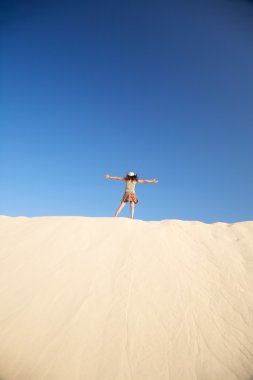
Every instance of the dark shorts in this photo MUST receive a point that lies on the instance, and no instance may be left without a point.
(129, 197)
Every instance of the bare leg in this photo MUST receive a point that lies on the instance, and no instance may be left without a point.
(120, 208)
(132, 209)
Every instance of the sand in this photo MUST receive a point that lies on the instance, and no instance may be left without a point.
(121, 299)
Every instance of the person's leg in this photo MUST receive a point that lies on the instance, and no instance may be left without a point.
(132, 209)
(120, 208)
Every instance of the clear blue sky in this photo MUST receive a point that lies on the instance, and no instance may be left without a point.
(161, 88)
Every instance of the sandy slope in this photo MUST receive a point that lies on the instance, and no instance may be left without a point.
(120, 299)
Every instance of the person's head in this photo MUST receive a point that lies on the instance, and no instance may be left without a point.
(131, 176)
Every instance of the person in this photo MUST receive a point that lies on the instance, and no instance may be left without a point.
(131, 179)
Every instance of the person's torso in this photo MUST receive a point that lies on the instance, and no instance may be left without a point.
(130, 186)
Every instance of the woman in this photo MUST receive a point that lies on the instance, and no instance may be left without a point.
(129, 196)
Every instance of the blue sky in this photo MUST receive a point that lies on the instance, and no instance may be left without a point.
(164, 89)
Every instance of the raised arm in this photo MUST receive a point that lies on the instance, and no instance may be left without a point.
(147, 181)
(107, 176)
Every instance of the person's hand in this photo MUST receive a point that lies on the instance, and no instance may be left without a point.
(155, 180)
(107, 176)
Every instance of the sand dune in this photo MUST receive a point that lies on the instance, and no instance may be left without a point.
(120, 299)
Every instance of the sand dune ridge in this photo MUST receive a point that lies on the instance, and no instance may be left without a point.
(120, 299)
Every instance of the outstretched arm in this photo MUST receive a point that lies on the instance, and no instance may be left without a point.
(107, 176)
(147, 181)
